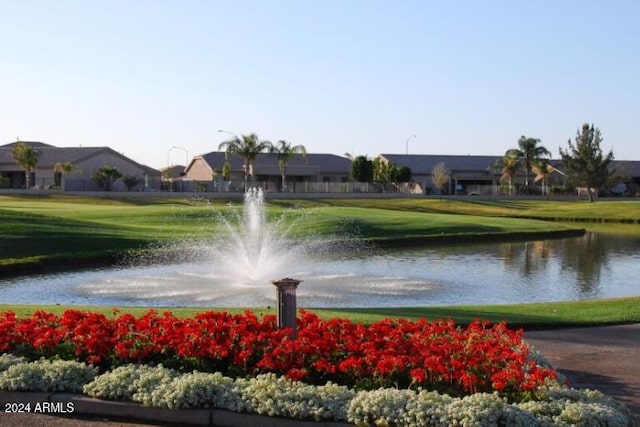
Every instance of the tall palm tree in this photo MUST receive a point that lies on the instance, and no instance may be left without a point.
(285, 152)
(542, 168)
(508, 166)
(247, 147)
(530, 152)
(27, 158)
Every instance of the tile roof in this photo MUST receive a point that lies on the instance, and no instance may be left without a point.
(627, 167)
(50, 155)
(424, 163)
(268, 163)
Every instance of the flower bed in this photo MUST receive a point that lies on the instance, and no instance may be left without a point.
(435, 355)
(267, 394)
(393, 371)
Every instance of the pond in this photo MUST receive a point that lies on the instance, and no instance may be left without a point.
(593, 266)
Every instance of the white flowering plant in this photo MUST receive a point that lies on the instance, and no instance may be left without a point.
(554, 404)
(47, 375)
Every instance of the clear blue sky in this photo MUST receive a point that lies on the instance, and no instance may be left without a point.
(357, 76)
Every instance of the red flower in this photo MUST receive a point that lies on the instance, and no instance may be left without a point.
(435, 355)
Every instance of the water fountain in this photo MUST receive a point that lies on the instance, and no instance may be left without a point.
(235, 269)
(253, 250)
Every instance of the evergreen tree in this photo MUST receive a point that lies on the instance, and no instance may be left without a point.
(584, 162)
(362, 169)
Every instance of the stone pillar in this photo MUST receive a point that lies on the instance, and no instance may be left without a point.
(287, 311)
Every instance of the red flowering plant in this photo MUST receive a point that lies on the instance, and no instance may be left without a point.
(438, 355)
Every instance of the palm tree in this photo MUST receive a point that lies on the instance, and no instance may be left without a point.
(106, 176)
(530, 152)
(542, 169)
(63, 169)
(285, 152)
(248, 147)
(508, 166)
(27, 158)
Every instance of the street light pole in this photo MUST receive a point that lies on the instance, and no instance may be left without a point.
(229, 132)
(186, 154)
(406, 144)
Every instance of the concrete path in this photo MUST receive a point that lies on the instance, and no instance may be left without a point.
(604, 358)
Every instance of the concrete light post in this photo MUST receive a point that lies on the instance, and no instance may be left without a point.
(287, 311)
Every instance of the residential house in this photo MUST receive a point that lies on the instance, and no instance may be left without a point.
(313, 172)
(86, 161)
(479, 175)
(468, 174)
(629, 173)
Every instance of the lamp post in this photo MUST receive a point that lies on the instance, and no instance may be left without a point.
(186, 153)
(406, 144)
(229, 132)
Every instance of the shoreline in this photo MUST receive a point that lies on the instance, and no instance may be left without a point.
(112, 259)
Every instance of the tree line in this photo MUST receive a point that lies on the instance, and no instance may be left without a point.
(583, 161)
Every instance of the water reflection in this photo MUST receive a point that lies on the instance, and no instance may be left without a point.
(528, 258)
(582, 260)
(586, 257)
(592, 266)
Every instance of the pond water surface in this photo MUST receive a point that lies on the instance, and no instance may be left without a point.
(593, 266)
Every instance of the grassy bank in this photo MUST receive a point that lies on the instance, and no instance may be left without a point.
(609, 211)
(529, 316)
(41, 232)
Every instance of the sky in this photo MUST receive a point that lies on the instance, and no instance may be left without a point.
(156, 79)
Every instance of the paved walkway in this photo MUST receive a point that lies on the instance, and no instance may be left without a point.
(603, 358)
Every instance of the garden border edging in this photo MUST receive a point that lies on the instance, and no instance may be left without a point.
(84, 405)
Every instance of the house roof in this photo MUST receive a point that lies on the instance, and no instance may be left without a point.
(35, 144)
(627, 167)
(50, 155)
(174, 171)
(267, 164)
(424, 163)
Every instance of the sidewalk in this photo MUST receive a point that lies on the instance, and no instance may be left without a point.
(603, 358)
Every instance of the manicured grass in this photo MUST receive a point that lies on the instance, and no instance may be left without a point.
(377, 223)
(71, 228)
(576, 210)
(529, 316)
(60, 229)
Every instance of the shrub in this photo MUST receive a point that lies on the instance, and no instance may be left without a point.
(46, 375)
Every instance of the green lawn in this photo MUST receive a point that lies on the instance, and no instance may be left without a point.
(528, 316)
(59, 229)
(576, 210)
(56, 229)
